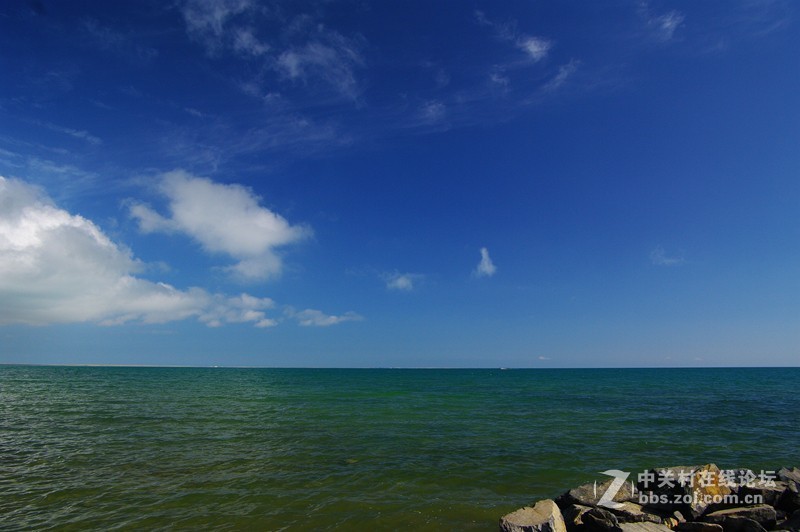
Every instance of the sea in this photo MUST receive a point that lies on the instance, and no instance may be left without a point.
(107, 448)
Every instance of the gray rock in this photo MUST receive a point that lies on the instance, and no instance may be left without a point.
(630, 512)
(741, 524)
(790, 500)
(792, 474)
(544, 516)
(643, 527)
(589, 494)
(573, 516)
(690, 498)
(600, 520)
(769, 494)
(763, 514)
(698, 526)
(793, 523)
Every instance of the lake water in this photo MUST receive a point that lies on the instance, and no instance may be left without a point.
(271, 449)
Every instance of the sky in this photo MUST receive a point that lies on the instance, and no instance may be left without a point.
(400, 184)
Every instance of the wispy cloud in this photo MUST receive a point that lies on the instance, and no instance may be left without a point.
(662, 26)
(328, 57)
(207, 20)
(315, 55)
(486, 267)
(74, 133)
(564, 73)
(223, 218)
(317, 318)
(120, 43)
(659, 257)
(535, 47)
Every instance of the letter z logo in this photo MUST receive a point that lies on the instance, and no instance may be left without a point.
(607, 499)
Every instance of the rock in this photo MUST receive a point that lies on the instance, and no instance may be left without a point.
(630, 512)
(792, 474)
(589, 494)
(790, 500)
(573, 516)
(767, 494)
(600, 520)
(741, 524)
(544, 516)
(763, 514)
(643, 527)
(793, 523)
(688, 489)
(698, 526)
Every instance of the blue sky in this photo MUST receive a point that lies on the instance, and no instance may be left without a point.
(521, 184)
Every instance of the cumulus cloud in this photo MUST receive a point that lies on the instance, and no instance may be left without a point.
(659, 257)
(403, 282)
(58, 267)
(486, 267)
(222, 218)
(316, 318)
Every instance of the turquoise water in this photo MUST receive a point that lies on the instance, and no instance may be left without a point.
(163, 448)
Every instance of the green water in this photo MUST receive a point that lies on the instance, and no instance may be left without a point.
(271, 449)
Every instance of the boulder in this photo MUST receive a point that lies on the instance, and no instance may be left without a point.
(741, 524)
(544, 516)
(701, 487)
(590, 494)
(790, 500)
(643, 527)
(763, 514)
(792, 474)
(793, 523)
(697, 526)
(630, 512)
(768, 494)
(600, 520)
(573, 516)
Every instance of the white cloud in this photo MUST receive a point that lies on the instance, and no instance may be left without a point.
(329, 57)
(75, 133)
(57, 267)
(544, 358)
(403, 282)
(316, 318)
(667, 24)
(433, 112)
(486, 267)
(246, 42)
(564, 73)
(659, 257)
(206, 19)
(536, 47)
(223, 219)
(662, 27)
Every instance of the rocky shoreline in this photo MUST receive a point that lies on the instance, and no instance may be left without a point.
(681, 499)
